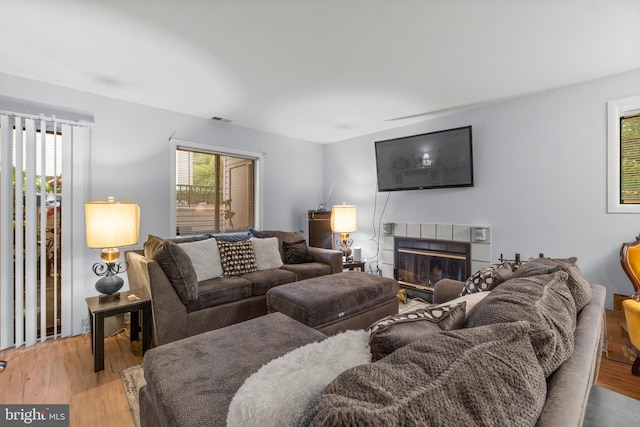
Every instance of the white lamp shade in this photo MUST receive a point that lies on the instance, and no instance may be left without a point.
(343, 218)
(112, 224)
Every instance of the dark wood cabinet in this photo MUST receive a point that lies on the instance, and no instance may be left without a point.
(320, 234)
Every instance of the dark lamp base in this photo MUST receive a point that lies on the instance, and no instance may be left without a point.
(109, 284)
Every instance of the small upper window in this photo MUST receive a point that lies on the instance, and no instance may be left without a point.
(623, 146)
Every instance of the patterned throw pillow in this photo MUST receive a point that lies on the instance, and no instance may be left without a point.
(488, 278)
(237, 257)
(389, 334)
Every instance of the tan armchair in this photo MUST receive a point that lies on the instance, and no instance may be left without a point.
(632, 316)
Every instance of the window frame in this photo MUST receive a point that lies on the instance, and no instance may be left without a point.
(257, 158)
(615, 110)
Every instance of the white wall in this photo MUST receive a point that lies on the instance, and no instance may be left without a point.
(540, 180)
(129, 159)
(540, 172)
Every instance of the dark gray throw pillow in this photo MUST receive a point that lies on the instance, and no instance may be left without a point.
(296, 252)
(176, 264)
(393, 332)
(580, 288)
(546, 303)
(481, 376)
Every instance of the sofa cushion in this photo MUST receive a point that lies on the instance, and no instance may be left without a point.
(237, 257)
(481, 376)
(205, 257)
(487, 278)
(282, 236)
(578, 285)
(393, 332)
(263, 280)
(308, 270)
(220, 290)
(266, 253)
(176, 264)
(296, 252)
(546, 303)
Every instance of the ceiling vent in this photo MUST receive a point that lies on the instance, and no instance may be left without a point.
(220, 119)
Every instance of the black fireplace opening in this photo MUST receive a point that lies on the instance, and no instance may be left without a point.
(420, 263)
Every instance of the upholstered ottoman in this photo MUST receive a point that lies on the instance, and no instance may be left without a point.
(191, 382)
(337, 302)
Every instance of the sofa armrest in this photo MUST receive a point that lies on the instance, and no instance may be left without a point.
(446, 290)
(169, 313)
(569, 386)
(327, 256)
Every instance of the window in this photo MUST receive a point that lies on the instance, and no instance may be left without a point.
(623, 147)
(215, 191)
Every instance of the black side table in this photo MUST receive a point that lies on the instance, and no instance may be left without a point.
(98, 311)
(352, 265)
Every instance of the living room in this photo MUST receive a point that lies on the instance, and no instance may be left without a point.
(540, 164)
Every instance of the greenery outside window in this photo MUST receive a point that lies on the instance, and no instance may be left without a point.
(623, 147)
(215, 189)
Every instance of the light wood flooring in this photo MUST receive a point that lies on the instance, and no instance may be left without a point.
(61, 371)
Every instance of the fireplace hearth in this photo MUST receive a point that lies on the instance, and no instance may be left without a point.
(420, 263)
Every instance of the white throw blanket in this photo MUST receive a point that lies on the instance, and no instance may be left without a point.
(284, 392)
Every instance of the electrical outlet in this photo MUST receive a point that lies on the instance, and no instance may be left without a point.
(127, 318)
(85, 326)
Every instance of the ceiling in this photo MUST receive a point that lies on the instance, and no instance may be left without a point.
(324, 70)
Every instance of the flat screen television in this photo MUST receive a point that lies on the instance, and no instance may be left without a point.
(429, 160)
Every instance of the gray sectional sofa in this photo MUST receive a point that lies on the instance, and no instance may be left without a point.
(169, 270)
(526, 352)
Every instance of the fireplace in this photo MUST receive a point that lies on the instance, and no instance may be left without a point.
(420, 263)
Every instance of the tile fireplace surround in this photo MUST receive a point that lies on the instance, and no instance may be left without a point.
(480, 244)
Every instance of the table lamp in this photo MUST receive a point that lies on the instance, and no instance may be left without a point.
(109, 225)
(343, 221)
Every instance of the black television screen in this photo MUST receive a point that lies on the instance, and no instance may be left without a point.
(430, 160)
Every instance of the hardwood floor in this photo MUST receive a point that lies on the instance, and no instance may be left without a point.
(615, 368)
(61, 371)
(616, 376)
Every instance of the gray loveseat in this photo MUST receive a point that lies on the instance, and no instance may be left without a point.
(527, 354)
(184, 306)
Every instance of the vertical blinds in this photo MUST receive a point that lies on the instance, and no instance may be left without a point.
(34, 152)
(630, 159)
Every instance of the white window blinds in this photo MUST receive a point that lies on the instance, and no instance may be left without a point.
(36, 265)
